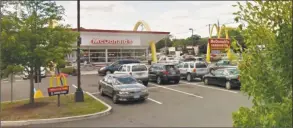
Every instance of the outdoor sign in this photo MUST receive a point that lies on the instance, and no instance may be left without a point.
(52, 91)
(105, 39)
(219, 44)
(60, 88)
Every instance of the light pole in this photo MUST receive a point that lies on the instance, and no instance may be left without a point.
(78, 93)
(192, 39)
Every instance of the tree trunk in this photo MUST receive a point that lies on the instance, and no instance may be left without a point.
(31, 74)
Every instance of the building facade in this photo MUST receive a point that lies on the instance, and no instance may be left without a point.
(105, 46)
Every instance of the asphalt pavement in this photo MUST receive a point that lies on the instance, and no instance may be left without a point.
(187, 104)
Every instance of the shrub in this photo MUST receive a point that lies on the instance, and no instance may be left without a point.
(70, 71)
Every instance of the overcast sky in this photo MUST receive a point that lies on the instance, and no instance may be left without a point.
(170, 16)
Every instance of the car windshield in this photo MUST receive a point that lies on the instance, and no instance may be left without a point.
(170, 67)
(126, 80)
(233, 71)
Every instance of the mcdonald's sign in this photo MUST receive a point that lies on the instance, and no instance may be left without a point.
(61, 85)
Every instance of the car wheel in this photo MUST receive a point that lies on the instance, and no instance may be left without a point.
(159, 80)
(206, 81)
(176, 81)
(102, 92)
(145, 83)
(228, 85)
(108, 72)
(115, 99)
(189, 77)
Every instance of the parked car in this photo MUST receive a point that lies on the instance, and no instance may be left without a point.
(193, 59)
(122, 87)
(108, 69)
(168, 59)
(221, 64)
(227, 77)
(138, 71)
(163, 73)
(25, 73)
(191, 70)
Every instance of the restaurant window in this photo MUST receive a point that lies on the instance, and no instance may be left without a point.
(114, 54)
(97, 55)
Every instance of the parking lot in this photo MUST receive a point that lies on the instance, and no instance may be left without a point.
(187, 104)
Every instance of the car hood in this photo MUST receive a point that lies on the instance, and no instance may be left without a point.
(130, 87)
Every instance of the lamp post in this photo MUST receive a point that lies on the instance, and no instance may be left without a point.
(192, 39)
(78, 93)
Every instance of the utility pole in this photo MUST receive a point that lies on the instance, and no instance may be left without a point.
(166, 46)
(78, 93)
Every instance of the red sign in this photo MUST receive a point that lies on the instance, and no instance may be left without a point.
(219, 44)
(113, 41)
(58, 90)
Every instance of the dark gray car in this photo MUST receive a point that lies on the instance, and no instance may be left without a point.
(122, 87)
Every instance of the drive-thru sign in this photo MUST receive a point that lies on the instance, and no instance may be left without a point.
(61, 88)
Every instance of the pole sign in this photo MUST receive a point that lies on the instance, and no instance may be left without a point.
(219, 43)
(52, 91)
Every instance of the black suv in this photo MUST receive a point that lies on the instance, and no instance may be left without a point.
(115, 65)
(163, 73)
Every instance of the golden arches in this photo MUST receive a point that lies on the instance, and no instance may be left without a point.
(152, 43)
(219, 30)
(58, 78)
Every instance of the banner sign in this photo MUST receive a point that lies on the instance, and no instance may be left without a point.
(58, 90)
(219, 44)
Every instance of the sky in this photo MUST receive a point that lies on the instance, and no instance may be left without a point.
(175, 17)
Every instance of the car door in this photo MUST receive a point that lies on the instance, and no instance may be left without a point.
(218, 76)
(108, 85)
(222, 78)
(102, 83)
(185, 69)
(152, 72)
(121, 70)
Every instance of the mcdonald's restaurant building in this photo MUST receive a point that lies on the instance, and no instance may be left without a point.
(105, 46)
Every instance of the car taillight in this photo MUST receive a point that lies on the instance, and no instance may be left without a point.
(194, 70)
(130, 73)
(165, 72)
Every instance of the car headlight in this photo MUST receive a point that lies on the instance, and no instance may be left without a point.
(102, 68)
(144, 91)
(122, 92)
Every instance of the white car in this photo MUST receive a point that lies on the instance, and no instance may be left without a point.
(194, 69)
(43, 73)
(137, 70)
(167, 59)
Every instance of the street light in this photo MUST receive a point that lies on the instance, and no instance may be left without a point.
(192, 39)
(78, 93)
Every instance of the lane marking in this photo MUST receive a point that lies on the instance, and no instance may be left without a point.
(155, 101)
(74, 86)
(7, 81)
(151, 87)
(95, 93)
(209, 87)
(177, 91)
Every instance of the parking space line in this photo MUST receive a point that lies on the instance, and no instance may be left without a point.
(95, 93)
(151, 87)
(178, 91)
(209, 87)
(155, 101)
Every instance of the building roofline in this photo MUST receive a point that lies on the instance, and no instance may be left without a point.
(119, 31)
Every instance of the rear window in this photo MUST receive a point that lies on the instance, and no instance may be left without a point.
(139, 68)
(129, 62)
(170, 67)
(201, 65)
(200, 59)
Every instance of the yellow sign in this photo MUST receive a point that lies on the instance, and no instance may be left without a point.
(219, 30)
(152, 43)
(58, 80)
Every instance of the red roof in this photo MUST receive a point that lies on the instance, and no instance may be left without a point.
(119, 31)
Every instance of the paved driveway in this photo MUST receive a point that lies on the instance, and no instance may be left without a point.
(187, 104)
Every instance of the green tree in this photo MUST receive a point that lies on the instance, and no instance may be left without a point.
(266, 75)
(28, 40)
(237, 40)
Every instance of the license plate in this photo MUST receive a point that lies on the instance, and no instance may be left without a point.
(136, 96)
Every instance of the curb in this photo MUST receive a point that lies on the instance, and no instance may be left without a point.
(59, 120)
